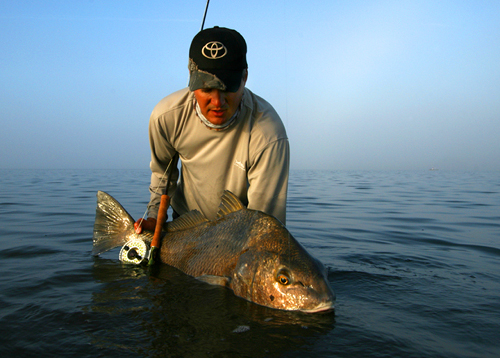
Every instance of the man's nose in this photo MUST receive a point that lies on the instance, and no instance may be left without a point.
(218, 99)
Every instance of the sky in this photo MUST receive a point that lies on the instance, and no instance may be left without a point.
(359, 85)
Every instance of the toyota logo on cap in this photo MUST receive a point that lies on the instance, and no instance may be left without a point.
(214, 50)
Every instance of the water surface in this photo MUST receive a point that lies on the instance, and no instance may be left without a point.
(413, 258)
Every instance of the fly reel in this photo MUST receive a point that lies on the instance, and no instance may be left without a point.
(134, 251)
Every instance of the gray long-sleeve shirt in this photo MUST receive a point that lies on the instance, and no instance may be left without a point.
(250, 157)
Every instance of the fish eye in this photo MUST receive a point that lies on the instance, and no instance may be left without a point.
(283, 278)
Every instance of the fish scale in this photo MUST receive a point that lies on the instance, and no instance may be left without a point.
(206, 248)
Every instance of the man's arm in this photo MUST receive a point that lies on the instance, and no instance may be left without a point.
(162, 152)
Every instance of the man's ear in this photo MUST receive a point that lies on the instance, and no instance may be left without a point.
(245, 75)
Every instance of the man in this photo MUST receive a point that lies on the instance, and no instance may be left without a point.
(227, 137)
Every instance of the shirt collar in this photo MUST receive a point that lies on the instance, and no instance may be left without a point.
(217, 127)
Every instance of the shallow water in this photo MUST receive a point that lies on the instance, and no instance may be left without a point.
(414, 258)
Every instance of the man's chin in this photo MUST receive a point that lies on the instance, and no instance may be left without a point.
(217, 120)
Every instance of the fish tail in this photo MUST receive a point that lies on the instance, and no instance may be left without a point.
(113, 224)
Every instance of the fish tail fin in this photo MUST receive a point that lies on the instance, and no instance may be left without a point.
(113, 224)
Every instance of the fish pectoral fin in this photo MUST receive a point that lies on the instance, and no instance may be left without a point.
(215, 280)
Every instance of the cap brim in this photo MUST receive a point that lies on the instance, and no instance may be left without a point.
(226, 80)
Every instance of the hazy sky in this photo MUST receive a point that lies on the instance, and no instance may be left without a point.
(359, 84)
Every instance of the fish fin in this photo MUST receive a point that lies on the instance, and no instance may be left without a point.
(186, 221)
(230, 203)
(113, 224)
(215, 280)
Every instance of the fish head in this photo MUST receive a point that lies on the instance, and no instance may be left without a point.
(295, 282)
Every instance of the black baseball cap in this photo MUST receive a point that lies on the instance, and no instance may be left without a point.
(217, 59)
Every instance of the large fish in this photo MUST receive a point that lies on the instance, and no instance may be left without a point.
(246, 250)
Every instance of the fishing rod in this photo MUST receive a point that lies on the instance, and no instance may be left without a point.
(204, 15)
(165, 199)
(135, 251)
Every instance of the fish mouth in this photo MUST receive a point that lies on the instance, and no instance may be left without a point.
(322, 307)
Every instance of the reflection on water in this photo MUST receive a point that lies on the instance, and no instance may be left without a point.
(165, 312)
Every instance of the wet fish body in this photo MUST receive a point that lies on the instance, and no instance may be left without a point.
(246, 250)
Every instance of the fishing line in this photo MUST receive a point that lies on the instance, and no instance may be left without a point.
(174, 159)
(156, 191)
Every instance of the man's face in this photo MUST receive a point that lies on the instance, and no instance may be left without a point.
(219, 106)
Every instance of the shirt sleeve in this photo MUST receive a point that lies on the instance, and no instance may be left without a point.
(268, 179)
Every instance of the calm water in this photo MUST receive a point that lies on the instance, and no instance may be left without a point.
(414, 259)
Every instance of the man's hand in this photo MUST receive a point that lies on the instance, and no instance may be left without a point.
(149, 224)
